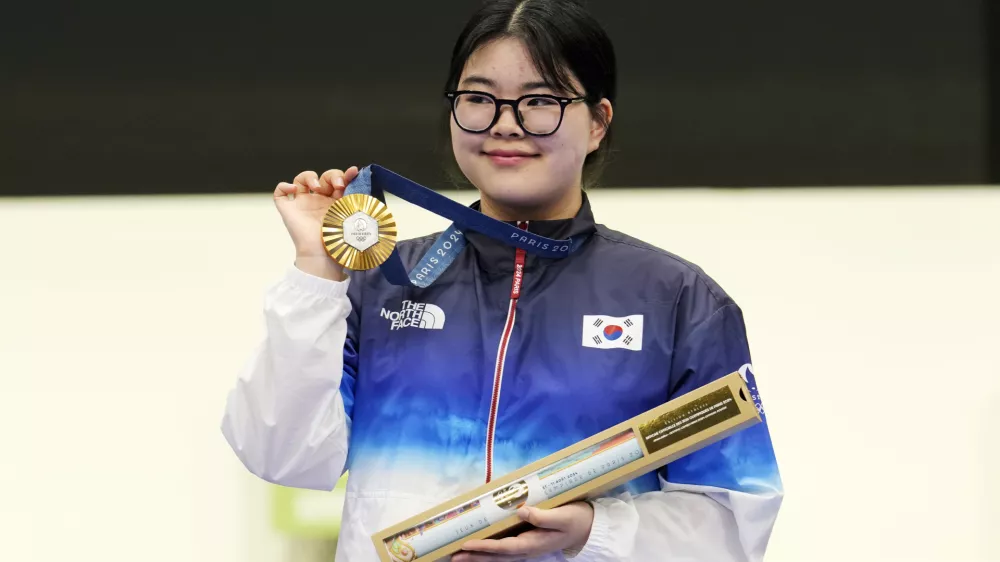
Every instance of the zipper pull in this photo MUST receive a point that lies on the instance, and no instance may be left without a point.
(519, 258)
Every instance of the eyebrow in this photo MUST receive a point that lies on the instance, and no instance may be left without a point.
(483, 81)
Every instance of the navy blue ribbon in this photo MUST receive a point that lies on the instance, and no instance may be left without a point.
(375, 180)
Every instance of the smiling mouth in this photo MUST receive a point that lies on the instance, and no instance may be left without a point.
(504, 157)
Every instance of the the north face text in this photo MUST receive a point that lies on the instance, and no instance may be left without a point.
(415, 315)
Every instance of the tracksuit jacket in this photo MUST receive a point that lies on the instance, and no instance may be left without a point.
(425, 394)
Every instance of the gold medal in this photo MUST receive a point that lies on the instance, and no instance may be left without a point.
(359, 232)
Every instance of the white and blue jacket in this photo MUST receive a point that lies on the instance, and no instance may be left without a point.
(425, 394)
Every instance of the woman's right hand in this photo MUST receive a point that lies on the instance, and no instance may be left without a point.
(302, 205)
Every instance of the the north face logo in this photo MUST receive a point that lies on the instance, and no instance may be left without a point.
(415, 315)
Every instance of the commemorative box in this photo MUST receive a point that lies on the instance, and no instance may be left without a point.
(583, 470)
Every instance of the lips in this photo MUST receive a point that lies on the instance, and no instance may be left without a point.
(508, 153)
(509, 157)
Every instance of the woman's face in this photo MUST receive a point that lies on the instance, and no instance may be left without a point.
(517, 173)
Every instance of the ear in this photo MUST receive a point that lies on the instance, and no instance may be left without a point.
(598, 130)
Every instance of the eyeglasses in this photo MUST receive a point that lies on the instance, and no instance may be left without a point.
(538, 114)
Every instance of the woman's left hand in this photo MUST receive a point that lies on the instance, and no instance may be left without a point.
(566, 527)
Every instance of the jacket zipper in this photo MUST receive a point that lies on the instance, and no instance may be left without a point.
(515, 293)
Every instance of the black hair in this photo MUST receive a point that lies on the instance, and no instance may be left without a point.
(563, 40)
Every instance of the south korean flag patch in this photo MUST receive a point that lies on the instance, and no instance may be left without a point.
(609, 332)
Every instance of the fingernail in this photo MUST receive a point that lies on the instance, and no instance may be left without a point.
(338, 182)
(314, 183)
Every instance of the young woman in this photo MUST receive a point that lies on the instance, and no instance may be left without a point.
(424, 394)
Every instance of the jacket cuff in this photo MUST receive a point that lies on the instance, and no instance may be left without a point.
(316, 285)
(597, 548)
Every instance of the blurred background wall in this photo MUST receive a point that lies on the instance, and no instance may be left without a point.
(833, 164)
(872, 317)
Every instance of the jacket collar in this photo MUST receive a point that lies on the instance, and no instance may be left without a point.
(494, 256)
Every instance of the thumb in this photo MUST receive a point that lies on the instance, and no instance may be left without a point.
(283, 190)
(542, 518)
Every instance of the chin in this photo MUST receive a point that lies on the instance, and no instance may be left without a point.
(526, 186)
(518, 194)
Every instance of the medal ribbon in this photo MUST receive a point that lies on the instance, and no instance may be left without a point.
(375, 180)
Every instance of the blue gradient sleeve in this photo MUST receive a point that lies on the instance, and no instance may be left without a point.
(745, 461)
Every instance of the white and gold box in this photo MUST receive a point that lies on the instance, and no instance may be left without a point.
(583, 470)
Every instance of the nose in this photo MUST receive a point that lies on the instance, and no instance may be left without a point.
(506, 125)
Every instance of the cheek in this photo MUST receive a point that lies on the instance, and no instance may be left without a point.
(456, 137)
(465, 151)
(569, 145)
(464, 144)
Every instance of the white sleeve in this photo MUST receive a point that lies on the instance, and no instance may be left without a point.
(285, 417)
(681, 523)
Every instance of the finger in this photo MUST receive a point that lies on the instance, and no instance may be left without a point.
(332, 180)
(483, 557)
(544, 518)
(351, 173)
(284, 189)
(529, 543)
(307, 181)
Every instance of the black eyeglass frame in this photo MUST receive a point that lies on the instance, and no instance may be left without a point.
(498, 104)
